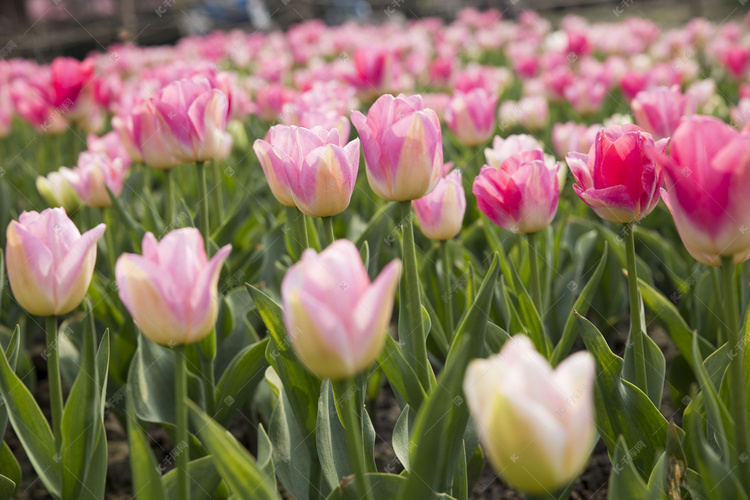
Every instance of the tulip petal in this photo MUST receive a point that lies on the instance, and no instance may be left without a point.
(30, 267)
(204, 301)
(73, 274)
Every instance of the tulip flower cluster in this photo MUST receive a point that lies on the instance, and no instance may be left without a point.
(278, 283)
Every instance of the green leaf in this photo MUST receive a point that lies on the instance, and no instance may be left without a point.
(668, 315)
(14, 346)
(383, 486)
(31, 427)
(331, 437)
(622, 408)
(239, 380)
(718, 478)
(236, 466)
(7, 487)
(204, 479)
(303, 388)
(11, 469)
(442, 419)
(136, 230)
(717, 415)
(655, 363)
(151, 380)
(147, 482)
(626, 482)
(82, 416)
(400, 374)
(295, 466)
(265, 452)
(402, 435)
(582, 304)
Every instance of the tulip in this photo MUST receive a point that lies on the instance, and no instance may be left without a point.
(585, 95)
(111, 145)
(573, 136)
(50, 264)
(471, 116)
(321, 178)
(658, 111)
(521, 196)
(184, 122)
(502, 149)
(536, 424)
(707, 177)
(403, 148)
(171, 290)
(94, 174)
(335, 318)
(440, 214)
(617, 179)
(58, 192)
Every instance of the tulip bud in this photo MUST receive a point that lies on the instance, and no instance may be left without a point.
(58, 192)
(309, 168)
(471, 116)
(659, 110)
(440, 214)
(521, 195)
(403, 147)
(536, 424)
(171, 290)
(617, 179)
(94, 174)
(335, 317)
(707, 178)
(50, 264)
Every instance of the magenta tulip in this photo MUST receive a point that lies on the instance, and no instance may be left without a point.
(403, 147)
(521, 196)
(617, 179)
(707, 177)
(171, 290)
(471, 116)
(440, 214)
(658, 111)
(185, 122)
(50, 264)
(309, 168)
(336, 319)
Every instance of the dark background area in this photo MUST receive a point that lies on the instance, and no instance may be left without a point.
(44, 29)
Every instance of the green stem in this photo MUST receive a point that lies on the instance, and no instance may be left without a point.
(181, 413)
(55, 384)
(328, 230)
(447, 299)
(636, 333)
(217, 199)
(716, 278)
(109, 241)
(203, 205)
(535, 287)
(170, 198)
(413, 339)
(738, 398)
(346, 394)
(298, 240)
(209, 382)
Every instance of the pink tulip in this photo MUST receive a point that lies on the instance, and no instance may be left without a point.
(658, 111)
(578, 42)
(585, 95)
(96, 172)
(184, 122)
(403, 147)
(736, 60)
(502, 149)
(707, 176)
(440, 214)
(471, 116)
(171, 290)
(521, 196)
(110, 144)
(617, 179)
(310, 168)
(336, 319)
(537, 425)
(50, 264)
(34, 103)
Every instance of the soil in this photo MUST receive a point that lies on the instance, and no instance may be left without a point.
(592, 485)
